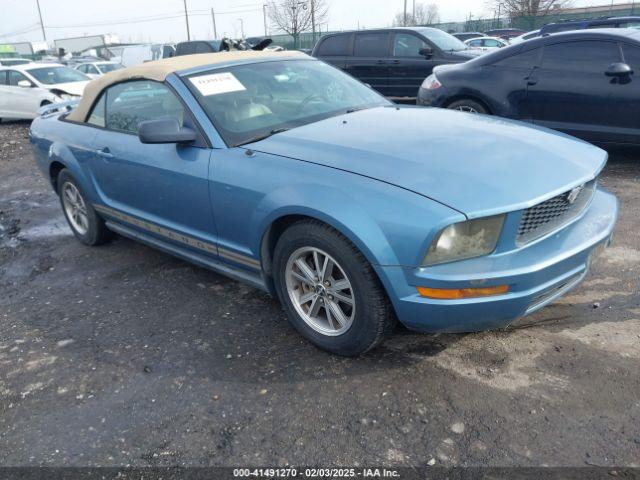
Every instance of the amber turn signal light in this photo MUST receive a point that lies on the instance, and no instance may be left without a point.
(457, 293)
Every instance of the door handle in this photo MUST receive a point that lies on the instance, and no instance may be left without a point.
(380, 62)
(396, 61)
(104, 153)
(531, 80)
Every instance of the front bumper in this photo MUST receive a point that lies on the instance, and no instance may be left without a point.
(432, 98)
(537, 274)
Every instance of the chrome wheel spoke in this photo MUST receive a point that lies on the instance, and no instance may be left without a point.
(337, 313)
(314, 308)
(342, 298)
(306, 271)
(327, 269)
(306, 297)
(340, 285)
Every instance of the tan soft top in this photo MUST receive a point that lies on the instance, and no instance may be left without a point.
(158, 70)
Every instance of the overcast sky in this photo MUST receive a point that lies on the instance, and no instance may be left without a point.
(66, 18)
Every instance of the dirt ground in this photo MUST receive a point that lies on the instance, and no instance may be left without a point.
(122, 355)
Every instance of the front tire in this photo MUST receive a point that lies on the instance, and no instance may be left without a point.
(329, 291)
(468, 106)
(86, 224)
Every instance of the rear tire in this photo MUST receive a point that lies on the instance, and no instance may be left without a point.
(347, 311)
(86, 224)
(468, 106)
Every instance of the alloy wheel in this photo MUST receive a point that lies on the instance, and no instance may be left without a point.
(320, 291)
(75, 208)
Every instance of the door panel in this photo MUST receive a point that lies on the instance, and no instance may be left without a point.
(408, 68)
(625, 102)
(370, 60)
(22, 102)
(570, 91)
(165, 184)
(512, 73)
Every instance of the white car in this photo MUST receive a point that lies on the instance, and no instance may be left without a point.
(26, 88)
(9, 62)
(486, 44)
(97, 69)
(526, 36)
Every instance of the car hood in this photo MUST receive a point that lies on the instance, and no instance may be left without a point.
(476, 164)
(72, 88)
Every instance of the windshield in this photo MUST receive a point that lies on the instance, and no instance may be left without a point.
(442, 39)
(54, 75)
(249, 102)
(109, 67)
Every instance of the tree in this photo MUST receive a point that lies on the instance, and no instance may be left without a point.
(425, 14)
(528, 8)
(297, 16)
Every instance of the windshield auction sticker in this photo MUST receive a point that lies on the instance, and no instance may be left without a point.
(217, 83)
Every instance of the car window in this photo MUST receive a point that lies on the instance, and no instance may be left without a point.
(15, 77)
(202, 47)
(475, 43)
(129, 103)
(97, 113)
(335, 45)
(371, 45)
(82, 68)
(407, 45)
(587, 56)
(526, 59)
(632, 57)
(3, 78)
(109, 67)
(490, 42)
(92, 69)
(55, 75)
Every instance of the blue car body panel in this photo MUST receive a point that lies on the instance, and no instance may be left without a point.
(389, 179)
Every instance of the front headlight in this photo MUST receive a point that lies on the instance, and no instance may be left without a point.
(463, 240)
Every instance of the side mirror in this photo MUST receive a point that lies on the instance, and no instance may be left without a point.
(24, 83)
(618, 69)
(426, 52)
(165, 130)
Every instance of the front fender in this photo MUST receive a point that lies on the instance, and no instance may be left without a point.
(390, 225)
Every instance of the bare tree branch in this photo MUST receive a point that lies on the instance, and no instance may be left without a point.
(528, 8)
(297, 16)
(426, 14)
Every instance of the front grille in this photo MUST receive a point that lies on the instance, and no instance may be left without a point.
(552, 214)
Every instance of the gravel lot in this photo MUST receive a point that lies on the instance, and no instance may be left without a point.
(122, 355)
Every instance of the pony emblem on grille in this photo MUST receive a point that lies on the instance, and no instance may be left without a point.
(573, 195)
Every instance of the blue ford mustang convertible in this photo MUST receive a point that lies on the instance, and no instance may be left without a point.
(283, 172)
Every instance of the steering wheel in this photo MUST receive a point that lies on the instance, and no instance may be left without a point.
(308, 98)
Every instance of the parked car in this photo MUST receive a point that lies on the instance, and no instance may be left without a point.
(26, 88)
(610, 22)
(97, 69)
(486, 44)
(283, 172)
(582, 82)
(8, 62)
(464, 36)
(224, 45)
(525, 36)
(505, 33)
(393, 61)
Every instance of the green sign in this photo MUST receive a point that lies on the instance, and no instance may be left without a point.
(7, 49)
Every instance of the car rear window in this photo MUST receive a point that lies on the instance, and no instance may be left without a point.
(371, 45)
(335, 45)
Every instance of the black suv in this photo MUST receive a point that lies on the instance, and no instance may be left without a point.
(394, 61)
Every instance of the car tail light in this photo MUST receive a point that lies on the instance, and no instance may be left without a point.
(431, 83)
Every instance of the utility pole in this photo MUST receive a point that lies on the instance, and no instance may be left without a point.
(264, 17)
(44, 35)
(414, 12)
(213, 17)
(186, 17)
(404, 23)
(313, 21)
(241, 27)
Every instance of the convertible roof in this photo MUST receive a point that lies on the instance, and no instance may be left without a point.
(158, 70)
